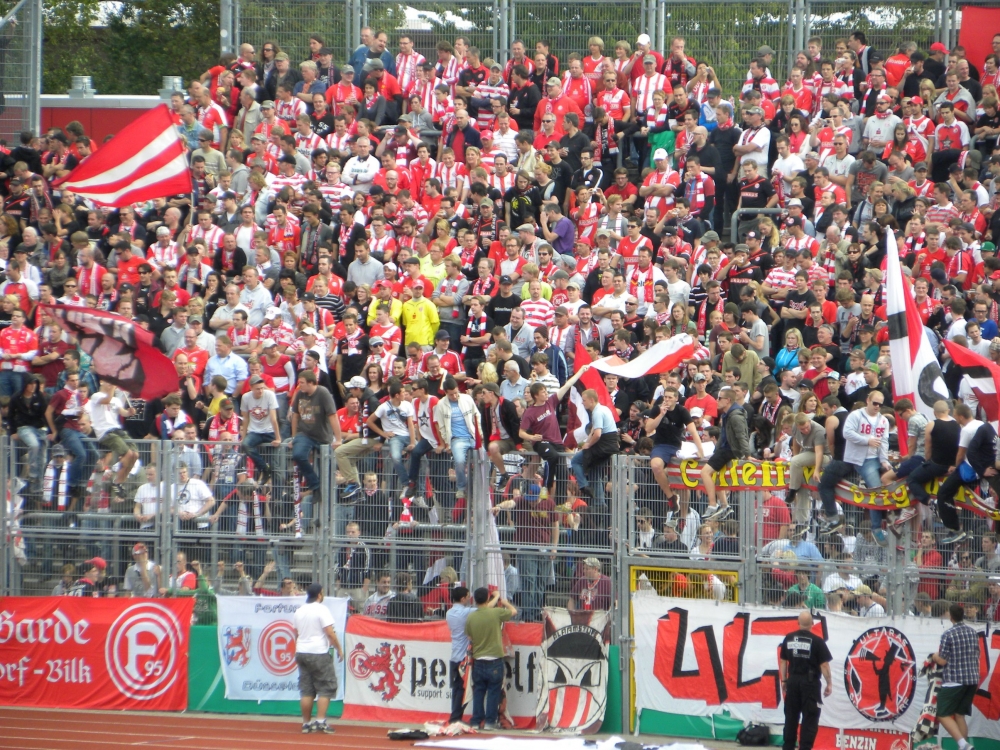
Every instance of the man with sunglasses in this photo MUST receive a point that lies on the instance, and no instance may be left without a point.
(866, 451)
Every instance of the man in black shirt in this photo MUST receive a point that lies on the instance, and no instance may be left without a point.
(740, 272)
(524, 98)
(500, 307)
(725, 136)
(797, 303)
(670, 420)
(755, 192)
(979, 463)
(911, 81)
(802, 658)
(404, 607)
(572, 144)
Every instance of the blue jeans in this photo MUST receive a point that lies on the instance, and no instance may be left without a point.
(579, 470)
(397, 444)
(460, 448)
(870, 471)
(11, 383)
(83, 456)
(534, 571)
(487, 681)
(34, 441)
(250, 444)
(302, 448)
(421, 449)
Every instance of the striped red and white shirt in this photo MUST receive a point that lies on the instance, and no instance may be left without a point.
(406, 70)
(290, 110)
(644, 86)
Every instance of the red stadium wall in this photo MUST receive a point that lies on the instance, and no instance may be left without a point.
(100, 116)
(976, 35)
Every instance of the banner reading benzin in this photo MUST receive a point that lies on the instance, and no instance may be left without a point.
(400, 673)
(68, 652)
(257, 646)
(701, 660)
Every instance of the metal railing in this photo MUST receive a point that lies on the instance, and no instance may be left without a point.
(20, 70)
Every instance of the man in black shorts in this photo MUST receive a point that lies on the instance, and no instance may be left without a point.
(314, 637)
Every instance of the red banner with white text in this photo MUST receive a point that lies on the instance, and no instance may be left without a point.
(68, 652)
(400, 673)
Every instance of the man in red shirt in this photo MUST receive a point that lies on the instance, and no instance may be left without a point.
(818, 371)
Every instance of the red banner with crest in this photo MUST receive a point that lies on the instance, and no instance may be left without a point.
(69, 652)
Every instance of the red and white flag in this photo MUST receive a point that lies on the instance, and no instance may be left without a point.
(984, 378)
(146, 160)
(662, 357)
(578, 419)
(916, 374)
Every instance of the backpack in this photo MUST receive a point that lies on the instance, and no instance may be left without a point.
(407, 734)
(753, 735)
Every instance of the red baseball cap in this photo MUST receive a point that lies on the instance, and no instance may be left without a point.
(97, 562)
(916, 100)
(938, 47)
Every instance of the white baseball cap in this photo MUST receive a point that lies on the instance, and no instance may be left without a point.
(643, 39)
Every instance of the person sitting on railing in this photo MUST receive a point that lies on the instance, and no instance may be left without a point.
(91, 583)
(287, 587)
(404, 607)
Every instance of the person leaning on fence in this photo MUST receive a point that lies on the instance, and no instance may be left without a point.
(459, 428)
(601, 444)
(976, 461)
(803, 656)
(941, 438)
(314, 424)
(314, 637)
(502, 425)
(483, 627)
(734, 444)
(347, 455)
(958, 653)
(808, 449)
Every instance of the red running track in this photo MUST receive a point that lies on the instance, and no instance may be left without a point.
(45, 729)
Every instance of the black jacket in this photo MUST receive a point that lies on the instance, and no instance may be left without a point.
(508, 418)
(30, 413)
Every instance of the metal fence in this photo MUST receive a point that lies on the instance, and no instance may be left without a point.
(20, 70)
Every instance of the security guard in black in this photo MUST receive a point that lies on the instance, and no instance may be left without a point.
(804, 656)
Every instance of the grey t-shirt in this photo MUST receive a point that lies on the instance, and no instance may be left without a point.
(816, 437)
(915, 427)
(259, 411)
(863, 178)
(314, 414)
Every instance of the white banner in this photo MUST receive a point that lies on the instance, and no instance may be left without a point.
(400, 673)
(257, 645)
(697, 658)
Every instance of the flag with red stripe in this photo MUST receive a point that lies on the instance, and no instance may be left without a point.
(123, 352)
(662, 357)
(916, 374)
(578, 418)
(145, 160)
(983, 375)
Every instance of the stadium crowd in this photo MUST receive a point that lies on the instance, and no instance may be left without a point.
(406, 253)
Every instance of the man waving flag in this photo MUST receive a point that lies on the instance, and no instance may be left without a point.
(916, 374)
(145, 160)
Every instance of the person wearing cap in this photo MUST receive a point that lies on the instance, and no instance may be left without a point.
(635, 66)
(420, 319)
(90, 583)
(556, 103)
(754, 144)
(592, 591)
(142, 578)
(315, 637)
(259, 424)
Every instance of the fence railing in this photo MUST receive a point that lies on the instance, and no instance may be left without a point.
(20, 70)
(207, 503)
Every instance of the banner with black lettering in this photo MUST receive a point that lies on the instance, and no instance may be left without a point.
(574, 670)
(702, 660)
(257, 645)
(400, 673)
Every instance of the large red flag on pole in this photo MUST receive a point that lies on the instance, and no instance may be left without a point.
(146, 160)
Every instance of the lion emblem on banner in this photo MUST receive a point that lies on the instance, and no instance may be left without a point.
(574, 670)
(236, 646)
(387, 661)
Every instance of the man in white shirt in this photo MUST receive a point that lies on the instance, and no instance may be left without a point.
(867, 606)
(259, 424)
(254, 296)
(393, 421)
(314, 637)
(359, 171)
(105, 411)
(193, 499)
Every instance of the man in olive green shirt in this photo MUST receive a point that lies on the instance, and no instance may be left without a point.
(488, 671)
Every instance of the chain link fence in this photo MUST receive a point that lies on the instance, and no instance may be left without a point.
(20, 70)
